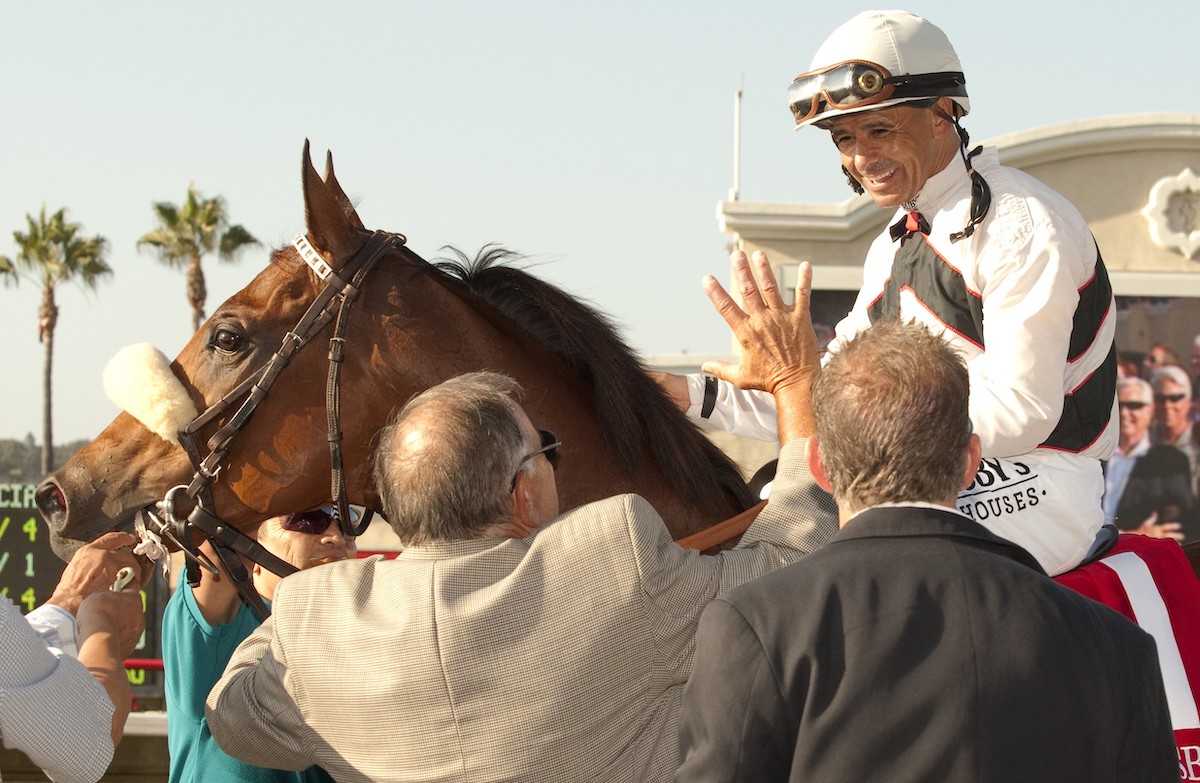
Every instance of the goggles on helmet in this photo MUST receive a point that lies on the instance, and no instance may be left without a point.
(854, 84)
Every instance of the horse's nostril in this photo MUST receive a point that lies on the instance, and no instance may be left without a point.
(50, 499)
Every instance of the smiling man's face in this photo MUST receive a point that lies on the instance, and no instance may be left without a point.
(892, 152)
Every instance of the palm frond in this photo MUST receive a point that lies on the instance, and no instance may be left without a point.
(234, 239)
(8, 272)
(53, 251)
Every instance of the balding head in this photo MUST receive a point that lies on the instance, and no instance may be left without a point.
(444, 468)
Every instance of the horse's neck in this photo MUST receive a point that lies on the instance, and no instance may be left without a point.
(444, 332)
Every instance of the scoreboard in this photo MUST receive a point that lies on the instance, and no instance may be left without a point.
(29, 569)
(29, 572)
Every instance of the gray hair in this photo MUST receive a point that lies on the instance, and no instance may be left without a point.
(893, 418)
(444, 467)
(1171, 372)
(1145, 392)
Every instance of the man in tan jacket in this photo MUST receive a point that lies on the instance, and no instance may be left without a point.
(509, 642)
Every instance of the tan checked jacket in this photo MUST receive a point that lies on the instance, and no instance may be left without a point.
(560, 657)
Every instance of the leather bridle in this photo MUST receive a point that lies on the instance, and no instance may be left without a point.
(333, 301)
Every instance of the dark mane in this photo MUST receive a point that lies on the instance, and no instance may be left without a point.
(629, 404)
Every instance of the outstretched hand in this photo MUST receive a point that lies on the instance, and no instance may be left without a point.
(779, 347)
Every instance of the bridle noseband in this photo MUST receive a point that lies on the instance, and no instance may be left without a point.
(334, 300)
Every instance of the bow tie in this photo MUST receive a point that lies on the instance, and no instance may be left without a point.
(912, 222)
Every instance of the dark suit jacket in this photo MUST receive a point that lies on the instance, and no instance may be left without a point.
(1161, 480)
(917, 646)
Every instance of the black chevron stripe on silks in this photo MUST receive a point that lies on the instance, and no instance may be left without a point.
(1095, 297)
(936, 284)
(1076, 430)
(940, 288)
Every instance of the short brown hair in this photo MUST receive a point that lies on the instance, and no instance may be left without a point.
(892, 416)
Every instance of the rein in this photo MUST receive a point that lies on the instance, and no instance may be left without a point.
(334, 300)
(722, 532)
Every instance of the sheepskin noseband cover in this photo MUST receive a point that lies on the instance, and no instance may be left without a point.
(139, 381)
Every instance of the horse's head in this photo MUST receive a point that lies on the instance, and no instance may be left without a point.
(135, 461)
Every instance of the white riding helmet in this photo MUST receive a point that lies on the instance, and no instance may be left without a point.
(875, 60)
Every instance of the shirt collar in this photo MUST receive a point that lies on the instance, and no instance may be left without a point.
(938, 187)
(1139, 448)
(937, 506)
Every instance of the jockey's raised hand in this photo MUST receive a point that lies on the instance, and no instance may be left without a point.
(779, 347)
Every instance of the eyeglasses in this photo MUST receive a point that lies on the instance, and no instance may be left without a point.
(1170, 397)
(315, 521)
(856, 83)
(1133, 405)
(550, 446)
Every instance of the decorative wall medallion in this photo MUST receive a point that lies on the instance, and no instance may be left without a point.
(1174, 213)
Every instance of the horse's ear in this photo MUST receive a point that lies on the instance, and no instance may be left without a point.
(329, 227)
(335, 186)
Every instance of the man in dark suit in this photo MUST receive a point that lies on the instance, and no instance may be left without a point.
(916, 644)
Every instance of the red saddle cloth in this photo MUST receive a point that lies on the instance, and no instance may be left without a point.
(1150, 581)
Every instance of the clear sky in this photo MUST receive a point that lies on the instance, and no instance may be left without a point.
(595, 138)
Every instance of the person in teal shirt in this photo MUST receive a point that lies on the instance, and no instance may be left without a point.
(203, 626)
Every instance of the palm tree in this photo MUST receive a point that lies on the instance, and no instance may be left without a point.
(50, 252)
(186, 233)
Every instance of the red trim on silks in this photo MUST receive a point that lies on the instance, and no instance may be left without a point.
(938, 318)
(1065, 450)
(913, 222)
(882, 291)
(1178, 589)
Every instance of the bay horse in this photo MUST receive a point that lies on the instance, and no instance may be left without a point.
(414, 325)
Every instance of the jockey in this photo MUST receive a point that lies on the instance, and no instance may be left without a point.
(993, 260)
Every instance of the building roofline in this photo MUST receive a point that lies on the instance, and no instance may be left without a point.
(848, 219)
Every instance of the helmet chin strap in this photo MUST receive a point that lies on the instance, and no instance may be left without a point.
(981, 193)
(852, 182)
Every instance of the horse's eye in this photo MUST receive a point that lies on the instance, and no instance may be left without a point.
(227, 341)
